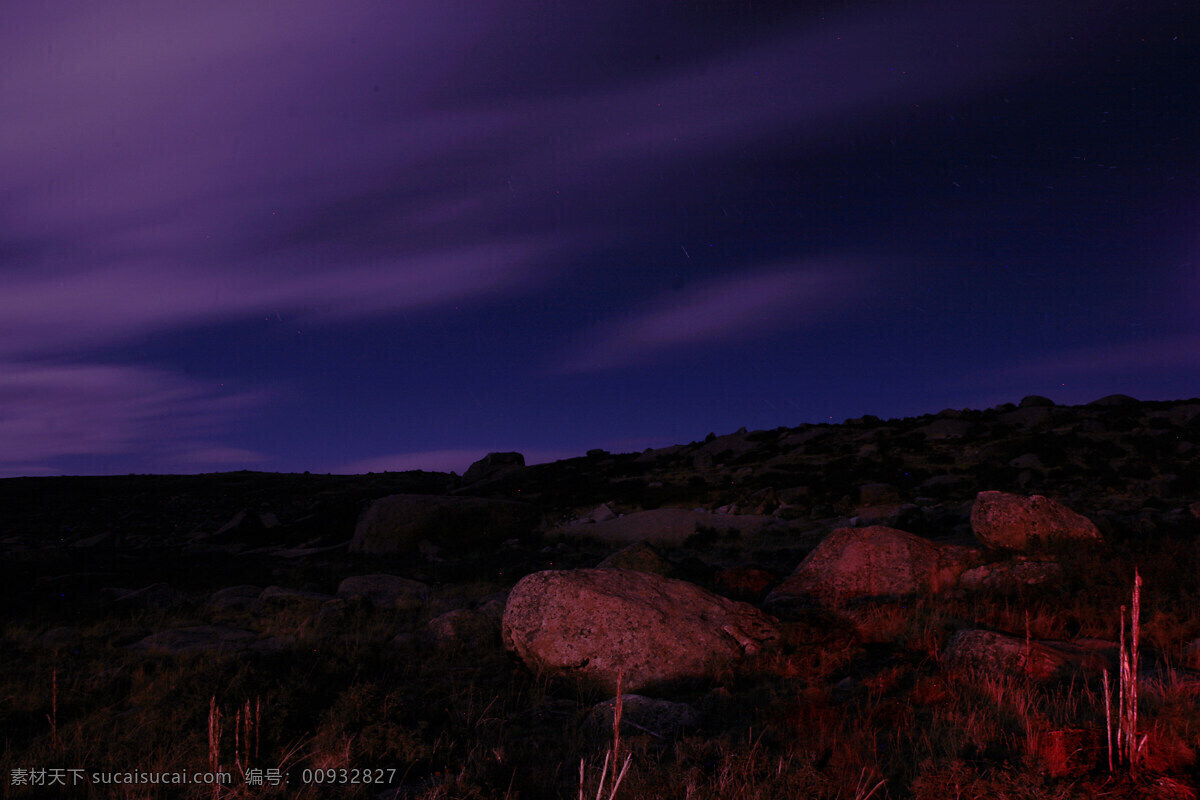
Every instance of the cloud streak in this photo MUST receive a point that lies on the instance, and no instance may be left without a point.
(723, 310)
(47, 314)
(192, 165)
(50, 412)
(1166, 353)
(202, 163)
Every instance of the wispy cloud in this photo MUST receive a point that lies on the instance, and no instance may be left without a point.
(46, 314)
(223, 162)
(173, 166)
(1181, 352)
(49, 412)
(216, 163)
(722, 310)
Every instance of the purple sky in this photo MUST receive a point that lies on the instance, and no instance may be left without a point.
(366, 235)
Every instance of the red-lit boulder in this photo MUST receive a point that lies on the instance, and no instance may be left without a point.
(1011, 522)
(853, 563)
(595, 623)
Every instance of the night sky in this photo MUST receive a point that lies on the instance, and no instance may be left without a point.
(359, 235)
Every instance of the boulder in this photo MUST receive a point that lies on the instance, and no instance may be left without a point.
(245, 526)
(642, 557)
(275, 644)
(596, 623)
(1011, 522)
(878, 494)
(725, 448)
(1036, 400)
(196, 639)
(895, 515)
(63, 637)
(940, 485)
(154, 596)
(941, 429)
(669, 526)
(601, 513)
(492, 606)
(640, 714)
(235, 597)
(1011, 575)
(1029, 416)
(327, 619)
(384, 591)
(744, 583)
(495, 466)
(283, 597)
(853, 563)
(1040, 660)
(462, 628)
(1027, 461)
(1115, 401)
(396, 524)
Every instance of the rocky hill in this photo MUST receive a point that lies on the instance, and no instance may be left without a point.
(816, 576)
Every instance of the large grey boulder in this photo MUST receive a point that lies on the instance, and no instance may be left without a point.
(396, 524)
(1011, 522)
(596, 623)
(876, 561)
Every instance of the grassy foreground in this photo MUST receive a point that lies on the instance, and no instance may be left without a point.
(849, 707)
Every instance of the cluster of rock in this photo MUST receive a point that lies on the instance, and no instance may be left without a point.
(598, 623)
(881, 562)
(627, 620)
(837, 517)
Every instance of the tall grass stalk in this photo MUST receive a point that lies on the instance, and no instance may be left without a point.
(1129, 746)
(246, 728)
(214, 742)
(1108, 719)
(864, 791)
(53, 716)
(611, 756)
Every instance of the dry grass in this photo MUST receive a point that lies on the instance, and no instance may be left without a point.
(863, 710)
